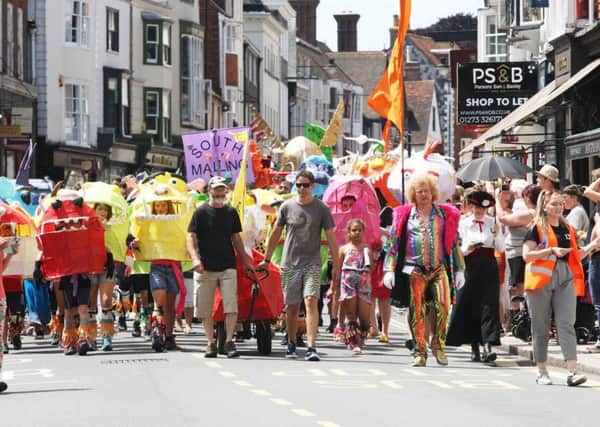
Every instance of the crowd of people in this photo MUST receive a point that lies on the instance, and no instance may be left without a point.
(463, 267)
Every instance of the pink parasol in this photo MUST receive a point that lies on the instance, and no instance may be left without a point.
(365, 208)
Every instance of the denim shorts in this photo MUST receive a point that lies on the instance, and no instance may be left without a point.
(163, 277)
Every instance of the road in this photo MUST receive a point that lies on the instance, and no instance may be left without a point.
(133, 386)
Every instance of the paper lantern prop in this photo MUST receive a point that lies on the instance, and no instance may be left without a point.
(322, 169)
(162, 236)
(366, 206)
(376, 169)
(15, 222)
(297, 150)
(117, 227)
(427, 162)
(71, 238)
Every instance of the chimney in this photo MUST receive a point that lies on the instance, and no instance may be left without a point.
(394, 31)
(347, 34)
(306, 19)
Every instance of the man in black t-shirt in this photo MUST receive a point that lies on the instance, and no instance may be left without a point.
(213, 233)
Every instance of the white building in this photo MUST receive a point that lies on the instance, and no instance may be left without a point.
(267, 30)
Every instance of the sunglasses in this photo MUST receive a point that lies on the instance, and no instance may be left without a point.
(303, 184)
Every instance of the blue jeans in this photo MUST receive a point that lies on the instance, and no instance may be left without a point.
(163, 277)
(594, 279)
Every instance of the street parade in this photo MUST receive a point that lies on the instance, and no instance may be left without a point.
(360, 260)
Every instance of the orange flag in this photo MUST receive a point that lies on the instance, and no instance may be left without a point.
(388, 96)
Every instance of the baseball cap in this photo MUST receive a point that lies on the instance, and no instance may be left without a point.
(216, 182)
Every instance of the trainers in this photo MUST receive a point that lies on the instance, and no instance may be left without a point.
(170, 343)
(137, 330)
(284, 340)
(93, 346)
(291, 351)
(300, 342)
(3, 386)
(419, 361)
(5, 348)
(55, 340)
(544, 379)
(158, 344)
(84, 347)
(16, 342)
(70, 350)
(211, 350)
(312, 355)
(575, 379)
(107, 344)
(122, 323)
(231, 350)
(440, 357)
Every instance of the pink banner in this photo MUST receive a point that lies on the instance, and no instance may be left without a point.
(214, 153)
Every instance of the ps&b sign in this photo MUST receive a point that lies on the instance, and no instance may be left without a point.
(488, 91)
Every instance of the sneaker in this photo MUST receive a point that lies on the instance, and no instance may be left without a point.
(3, 386)
(70, 350)
(107, 344)
(284, 340)
(575, 379)
(16, 342)
(187, 330)
(440, 357)
(93, 346)
(5, 347)
(84, 347)
(137, 330)
(291, 351)
(170, 344)
(332, 326)
(211, 350)
(122, 323)
(55, 340)
(312, 355)
(544, 379)
(419, 360)
(158, 345)
(231, 350)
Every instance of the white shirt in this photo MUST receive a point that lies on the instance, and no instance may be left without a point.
(472, 231)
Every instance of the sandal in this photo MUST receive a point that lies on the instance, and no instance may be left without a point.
(384, 339)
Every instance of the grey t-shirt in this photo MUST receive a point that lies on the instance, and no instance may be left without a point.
(303, 225)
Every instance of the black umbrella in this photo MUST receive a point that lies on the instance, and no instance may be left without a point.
(492, 168)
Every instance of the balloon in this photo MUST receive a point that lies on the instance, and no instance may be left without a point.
(298, 149)
(7, 189)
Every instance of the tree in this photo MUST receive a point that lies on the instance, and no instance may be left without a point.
(458, 22)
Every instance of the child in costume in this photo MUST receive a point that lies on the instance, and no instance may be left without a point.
(161, 214)
(111, 208)
(5, 257)
(355, 285)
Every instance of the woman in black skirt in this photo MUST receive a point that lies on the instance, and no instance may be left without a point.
(475, 318)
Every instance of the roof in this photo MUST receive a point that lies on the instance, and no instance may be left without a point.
(427, 45)
(419, 97)
(322, 60)
(366, 69)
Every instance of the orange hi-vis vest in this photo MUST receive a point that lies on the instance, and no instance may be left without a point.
(538, 273)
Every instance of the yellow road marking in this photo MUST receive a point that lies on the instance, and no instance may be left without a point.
(416, 372)
(213, 364)
(440, 384)
(242, 383)
(261, 392)
(227, 374)
(328, 424)
(392, 384)
(303, 413)
(281, 402)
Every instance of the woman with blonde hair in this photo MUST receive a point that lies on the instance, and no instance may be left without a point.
(553, 278)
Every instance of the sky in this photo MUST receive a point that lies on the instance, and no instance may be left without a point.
(376, 18)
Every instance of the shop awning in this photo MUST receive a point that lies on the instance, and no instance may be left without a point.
(545, 96)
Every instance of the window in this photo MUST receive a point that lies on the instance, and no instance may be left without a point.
(112, 30)
(231, 38)
(76, 114)
(20, 43)
(151, 109)
(157, 113)
(10, 54)
(192, 95)
(125, 117)
(166, 44)
(166, 117)
(77, 22)
(157, 43)
(530, 14)
(152, 44)
(495, 41)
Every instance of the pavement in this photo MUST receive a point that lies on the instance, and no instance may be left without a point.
(134, 386)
